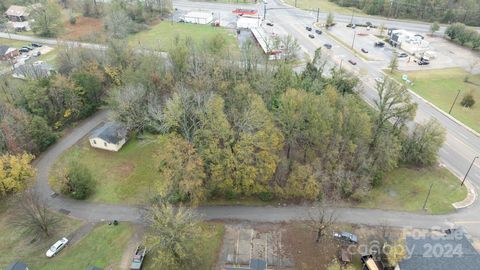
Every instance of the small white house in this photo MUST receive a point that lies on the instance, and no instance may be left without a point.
(111, 136)
(198, 17)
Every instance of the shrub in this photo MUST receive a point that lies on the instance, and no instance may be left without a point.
(78, 182)
(265, 196)
(73, 20)
(468, 101)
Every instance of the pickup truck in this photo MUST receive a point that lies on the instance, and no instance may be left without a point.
(137, 260)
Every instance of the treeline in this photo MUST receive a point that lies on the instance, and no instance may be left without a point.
(464, 35)
(243, 126)
(445, 11)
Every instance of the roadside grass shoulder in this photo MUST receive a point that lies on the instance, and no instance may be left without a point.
(102, 247)
(440, 86)
(324, 6)
(17, 244)
(405, 189)
(162, 36)
(124, 177)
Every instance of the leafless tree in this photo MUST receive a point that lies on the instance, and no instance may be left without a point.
(320, 220)
(33, 213)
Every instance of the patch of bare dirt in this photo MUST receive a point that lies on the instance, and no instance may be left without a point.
(131, 246)
(84, 29)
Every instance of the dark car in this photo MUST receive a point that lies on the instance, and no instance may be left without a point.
(308, 28)
(352, 62)
(318, 31)
(28, 48)
(311, 36)
(328, 46)
(346, 236)
(269, 23)
(379, 44)
(402, 55)
(23, 50)
(36, 45)
(364, 50)
(423, 63)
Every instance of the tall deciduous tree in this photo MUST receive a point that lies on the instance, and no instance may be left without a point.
(181, 171)
(434, 28)
(16, 173)
(47, 19)
(422, 146)
(171, 236)
(393, 64)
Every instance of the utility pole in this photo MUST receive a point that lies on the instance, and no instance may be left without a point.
(471, 165)
(428, 195)
(353, 13)
(455, 100)
(354, 34)
(265, 10)
(318, 13)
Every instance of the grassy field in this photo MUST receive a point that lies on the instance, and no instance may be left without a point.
(16, 244)
(441, 86)
(102, 247)
(13, 42)
(324, 6)
(162, 35)
(405, 189)
(229, 1)
(121, 177)
(209, 248)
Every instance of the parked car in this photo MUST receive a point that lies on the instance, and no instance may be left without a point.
(402, 55)
(23, 50)
(364, 50)
(318, 31)
(37, 53)
(269, 23)
(59, 245)
(308, 28)
(346, 236)
(423, 63)
(28, 48)
(311, 36)
(352, 62)
(138, 258)
(36, 45)
(379, 44)
(327, 45)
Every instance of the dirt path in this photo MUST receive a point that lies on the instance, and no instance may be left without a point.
(132, 245)
(80, 233)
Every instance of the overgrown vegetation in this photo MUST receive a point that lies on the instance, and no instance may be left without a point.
(78, 182)
(444, 11)
(465, 36)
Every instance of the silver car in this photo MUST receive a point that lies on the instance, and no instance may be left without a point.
(59, 245)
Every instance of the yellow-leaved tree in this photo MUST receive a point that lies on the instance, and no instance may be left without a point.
(15, 174)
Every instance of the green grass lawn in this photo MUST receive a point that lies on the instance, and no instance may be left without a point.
(123, 177)
(16, 244)
(405, 189)
(209, 248)
(229, 1)
(13, 42)
(441, 86)
(162, 35)
(102, 247)
(324, 6)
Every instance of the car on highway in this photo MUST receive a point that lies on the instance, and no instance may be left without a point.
(311, 36)
(318, 31)
(308, 28)
(346, 236)
(351, 61)
(59, 245)
(402, 55)
(36, 45)
(379, 44)
(327, 45)
(364, 50)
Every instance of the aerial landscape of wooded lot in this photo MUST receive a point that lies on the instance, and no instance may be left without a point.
(235, 134)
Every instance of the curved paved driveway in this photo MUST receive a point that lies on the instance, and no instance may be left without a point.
(96, 212)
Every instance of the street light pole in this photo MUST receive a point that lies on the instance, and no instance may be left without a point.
(264, 11)
(353, 13)
(428, 196)
(354, 34)
(455, 100)
(471, 165)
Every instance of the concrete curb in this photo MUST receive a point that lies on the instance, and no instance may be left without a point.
(469, 200)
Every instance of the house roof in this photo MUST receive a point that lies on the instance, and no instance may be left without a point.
(36, 70)
(18, 11)
(111, 132)
(17, 266)
(450, 252)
